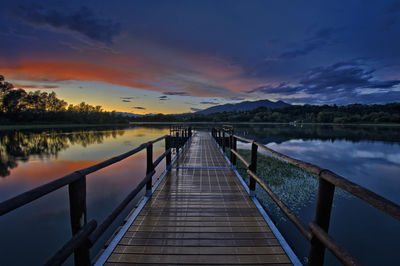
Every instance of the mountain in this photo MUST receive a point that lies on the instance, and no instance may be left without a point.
(242, 106)
(128, 114)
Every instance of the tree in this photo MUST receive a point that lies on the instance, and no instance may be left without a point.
(14, 101)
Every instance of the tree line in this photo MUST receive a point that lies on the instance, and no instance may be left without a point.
(19, 106)
(354, 113)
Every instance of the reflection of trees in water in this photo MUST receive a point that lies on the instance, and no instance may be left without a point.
(280, 133)
(18, 146)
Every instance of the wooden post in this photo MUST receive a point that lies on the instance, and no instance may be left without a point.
(234, 144)
(230, 148)
(322, 217)
(149, 168)
(223, 141)
(168, 157)
(77, 209)
(253, 168)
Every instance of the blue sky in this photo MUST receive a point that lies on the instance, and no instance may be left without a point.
(177, 56)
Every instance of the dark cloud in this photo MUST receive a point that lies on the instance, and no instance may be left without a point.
(127, 98)
(139, 107)
(126, 101)
(320, 38)
(237, 98)
(195, 109)
(180, 93)
(209, 103)
(339, 83)
(163, 98)
(394, 8)
(82, 21)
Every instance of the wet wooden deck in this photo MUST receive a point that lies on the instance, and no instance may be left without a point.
(199, 214)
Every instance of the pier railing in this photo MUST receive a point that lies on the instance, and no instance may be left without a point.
(317, 231)
(85, 234)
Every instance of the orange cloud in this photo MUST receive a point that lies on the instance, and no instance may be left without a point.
(197, 75)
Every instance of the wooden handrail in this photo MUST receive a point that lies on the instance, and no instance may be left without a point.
(342, 254)
(86, 234)
(114, 214)
(297, 222)
(247, 164)
(33, 194)
(316, 233)
(68, 248)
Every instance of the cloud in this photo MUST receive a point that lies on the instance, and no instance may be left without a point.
(236, 98)
(139, 107)
(320, 38)
(163, 98)
(179, 93)
(126, 101)
(342, 83)
(31, 86)
(205, 102)
(195, 109)
(127, 98)
(82, 21)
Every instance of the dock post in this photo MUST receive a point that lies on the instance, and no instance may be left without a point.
(223, 141)
(234, 144)
(230, 148)
(77, 208)
(149, 168)
(253, 168)
(322, 217)
(168, 156)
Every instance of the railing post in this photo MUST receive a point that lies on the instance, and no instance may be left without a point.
(253, 168)
(230, 148)
(168, 157)
(326, 192)
(223, 141)
(234, 144)
(77, 208)
(149, 168)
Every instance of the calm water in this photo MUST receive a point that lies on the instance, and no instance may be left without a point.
(31, 234)
(369, 156)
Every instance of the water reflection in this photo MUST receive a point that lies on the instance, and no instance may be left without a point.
(19, 146)
(41, 227)
(369, 156)
(353, 133)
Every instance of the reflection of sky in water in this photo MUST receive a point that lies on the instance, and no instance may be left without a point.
(374, 165)
(48, 217)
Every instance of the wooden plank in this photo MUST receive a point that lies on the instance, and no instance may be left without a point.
(199, 216)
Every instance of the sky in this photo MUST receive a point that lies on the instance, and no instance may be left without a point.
(182, 56)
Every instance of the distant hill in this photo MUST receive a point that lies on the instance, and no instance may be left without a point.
(242, 106)
(128, 114)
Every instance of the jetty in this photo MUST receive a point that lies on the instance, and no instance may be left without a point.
(199, 210)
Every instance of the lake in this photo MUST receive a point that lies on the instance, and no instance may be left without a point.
(366, 155)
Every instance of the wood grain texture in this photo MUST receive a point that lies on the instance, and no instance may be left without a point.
(199, 215)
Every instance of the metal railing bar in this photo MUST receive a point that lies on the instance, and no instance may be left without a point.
(68, 248)
(106, 223)
(297, 222)
(240, 158)
(330, 243)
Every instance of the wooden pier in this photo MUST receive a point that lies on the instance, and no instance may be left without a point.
(199, 214)
(199, 210)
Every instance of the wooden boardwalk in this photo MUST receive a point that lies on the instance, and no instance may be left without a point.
(199, 214)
